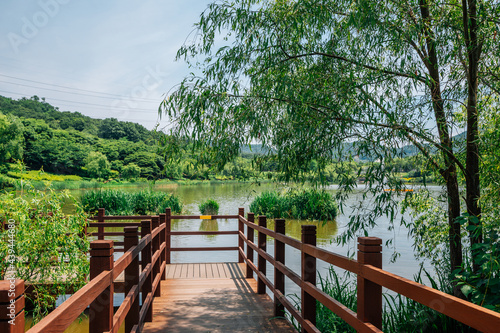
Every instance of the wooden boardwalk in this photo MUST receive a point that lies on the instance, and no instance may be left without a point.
(212, 298)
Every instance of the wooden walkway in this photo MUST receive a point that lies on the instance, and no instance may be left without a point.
(212, 298)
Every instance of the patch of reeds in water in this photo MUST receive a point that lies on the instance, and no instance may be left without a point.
(117, 202)
(209, 207)
(305, 204)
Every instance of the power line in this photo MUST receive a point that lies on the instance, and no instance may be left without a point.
(67, 92)
(104, 107)
(84, 90)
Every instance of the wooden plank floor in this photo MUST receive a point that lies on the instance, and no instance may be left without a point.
(212, 298)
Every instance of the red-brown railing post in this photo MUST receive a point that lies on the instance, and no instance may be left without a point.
(241, 243)
(155, 223)
(168, 239)
(147, 287)
(132, 278)
(308, 264)
(101, 309)
(261, 262)
(100, 218)
(250, 233)
(12, 306)
(279, 277)
(370, 293)
(163, 237)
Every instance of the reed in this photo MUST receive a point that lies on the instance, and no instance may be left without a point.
(304, 204)
(209, 207)
(124, 203)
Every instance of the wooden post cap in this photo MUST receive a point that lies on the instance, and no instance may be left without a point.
(369, 240)
(130, 231)
(308, 229)
(370, 244)
(101, 248)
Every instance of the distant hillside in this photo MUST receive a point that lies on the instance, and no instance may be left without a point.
(253, 149)
(109, 128)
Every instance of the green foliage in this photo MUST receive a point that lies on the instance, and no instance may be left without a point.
(50, 247)
(482, 287)
(209, 207)
(97, 165)
(301, 204)
(343, 290)
(11, 139)
(323, 80)
(131, 171)
(123, 203)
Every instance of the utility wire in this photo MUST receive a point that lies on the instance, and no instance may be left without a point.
(104, 107)
(68, 92)
(84, 90)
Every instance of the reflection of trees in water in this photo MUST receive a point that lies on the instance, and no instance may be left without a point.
(209, 225)
(325, 231)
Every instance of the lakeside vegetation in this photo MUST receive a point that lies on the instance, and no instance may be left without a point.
(299, 204)
(49, 248)
(75, 151)
(124, 203)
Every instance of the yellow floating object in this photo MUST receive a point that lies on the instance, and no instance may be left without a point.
(205, 217)
(394, 190)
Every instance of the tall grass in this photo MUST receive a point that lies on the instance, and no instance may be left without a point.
(400, 314)
(311, 204)
(209, 207)
(123, 203)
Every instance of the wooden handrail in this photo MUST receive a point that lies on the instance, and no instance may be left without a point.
(155, 246)
(465, 312)
(59, 319)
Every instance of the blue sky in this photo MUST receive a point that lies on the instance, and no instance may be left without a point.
(102, 58)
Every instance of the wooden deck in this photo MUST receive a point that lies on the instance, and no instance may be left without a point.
(212, 298)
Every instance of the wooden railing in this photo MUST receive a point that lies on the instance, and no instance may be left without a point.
(97, 295)
(155, 248)
(371, 278)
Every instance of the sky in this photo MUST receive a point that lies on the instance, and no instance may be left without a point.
(112, 58)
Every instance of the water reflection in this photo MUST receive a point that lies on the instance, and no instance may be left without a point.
(325, 231)
(209, 225)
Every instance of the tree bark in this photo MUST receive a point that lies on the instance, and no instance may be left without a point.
(473, 193)
(449, 172)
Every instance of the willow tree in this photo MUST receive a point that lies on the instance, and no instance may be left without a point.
(305, 77)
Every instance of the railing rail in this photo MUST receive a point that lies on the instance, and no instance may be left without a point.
(371, 279)
(144, 276)
(98, 293)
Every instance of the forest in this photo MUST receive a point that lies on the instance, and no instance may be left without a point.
(79, 147)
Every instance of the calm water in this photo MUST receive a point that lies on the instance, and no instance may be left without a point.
(231, 196)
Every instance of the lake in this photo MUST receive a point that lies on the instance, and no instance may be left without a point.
(231, 196)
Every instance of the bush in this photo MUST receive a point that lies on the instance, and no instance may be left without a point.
(122, 203)
(209, 207)
(302, 204)
(48, 245)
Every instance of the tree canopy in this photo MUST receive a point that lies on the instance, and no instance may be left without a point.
(304, 77)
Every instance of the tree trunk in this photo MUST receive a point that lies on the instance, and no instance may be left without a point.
(472, 157)
(449, 172)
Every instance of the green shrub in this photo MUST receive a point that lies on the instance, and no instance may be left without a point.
(48, 245)
(209, 207)
(302, 204)
(124, 203)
